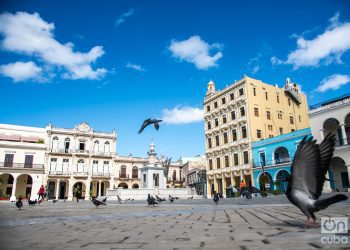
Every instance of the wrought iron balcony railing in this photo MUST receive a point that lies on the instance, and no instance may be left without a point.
(20, 165)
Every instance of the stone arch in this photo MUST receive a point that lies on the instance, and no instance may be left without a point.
(280, 179)
(6, 185)
(265, 182)
(347, 127)
(79, 188)
(123, 185)
(281, 155)
(24, 185)
(332, 125)
(135, 186)
(339, 175)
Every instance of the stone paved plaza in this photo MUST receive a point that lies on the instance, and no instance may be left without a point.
(270, 223)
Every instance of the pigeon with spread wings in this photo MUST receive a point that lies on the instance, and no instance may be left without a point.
(149, 121)
(308, 174)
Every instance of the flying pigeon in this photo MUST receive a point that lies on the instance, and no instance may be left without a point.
(105, 199)
(97, 202)
(310, 165)
(148, 122)
(19, 203)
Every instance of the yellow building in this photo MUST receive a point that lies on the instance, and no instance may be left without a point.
(249, 110)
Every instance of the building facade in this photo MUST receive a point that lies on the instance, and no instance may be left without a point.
(273, 158)
(242, 113)
(69, 162)
(194, 171)
(333, 116)
(22, 159)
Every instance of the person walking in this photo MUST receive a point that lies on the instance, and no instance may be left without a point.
(41, 192)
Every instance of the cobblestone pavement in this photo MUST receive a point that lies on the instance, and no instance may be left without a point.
(270, 223)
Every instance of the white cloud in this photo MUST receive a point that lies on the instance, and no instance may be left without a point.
(29, 34)
(333, 82)
(324, 48)
(196, 51)
(135, 67)
(182, 115)
(123, 16)
(255, 69)
(21, 71)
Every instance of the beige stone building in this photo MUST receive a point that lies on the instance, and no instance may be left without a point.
(244, 112)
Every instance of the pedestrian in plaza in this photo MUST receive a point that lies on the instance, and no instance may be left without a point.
(242, 184)
(41, 192)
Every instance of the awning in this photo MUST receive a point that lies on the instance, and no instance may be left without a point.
(29, 139)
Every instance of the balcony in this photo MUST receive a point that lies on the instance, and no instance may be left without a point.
(103, 154)
(81, 152)
(80, 174)
(123, 176)
(59, 173)
(281, 161)
(21, 165)
(100, 174)
(60, 150)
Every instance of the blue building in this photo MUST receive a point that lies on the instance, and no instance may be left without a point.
(275, 156)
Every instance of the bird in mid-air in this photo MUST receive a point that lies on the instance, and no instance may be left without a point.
(149, 121)
(308, 174)
(19, 203)
(97, 202)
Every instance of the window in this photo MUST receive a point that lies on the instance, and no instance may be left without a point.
(209, 125)
(292, 130)
(96, 146)
(266, 96)
(209, 143)
(299, 118)
(289, 101)
(225, 138)
(244, 132)
(8, 160)
(235, 159)
(94, 166)
(242, 111)
(28, 161)
(233, 115)
(241, 91)
(82, 145)
(210, 164)
(269, 127)
(53, 164)
(245, 157)
(232, 96)
(254, 91)
(215, 105)
(258, 133)
(226, 162)
(278, 99)
(216, 122)
(135, 172)
(234, 135)
(217, 141)
(256, 112)
(106, 147)
(65, 165)
(66, 145)
(123, 172)
(223, 101)
(291, 120)
(208, 108)
(279, 114)
(270, 136)
(268, 115)
(224, 120)
(55, 142)
(281, 131)
(218, 163)
(174, 175)
(105, 166)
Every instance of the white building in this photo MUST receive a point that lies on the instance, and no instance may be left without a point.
(333, 116)
(22, 159)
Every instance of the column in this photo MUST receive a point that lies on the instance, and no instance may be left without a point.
(348, 167)
(87, 190)
(57, 188)
(70, 189)
(99, 188)
(215, 185)
(209, 191)
(224, 185)
(327, 185)
(345, 142)
(232, 180)
(13, 194)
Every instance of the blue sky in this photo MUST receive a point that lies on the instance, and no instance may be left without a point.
(115, 63)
